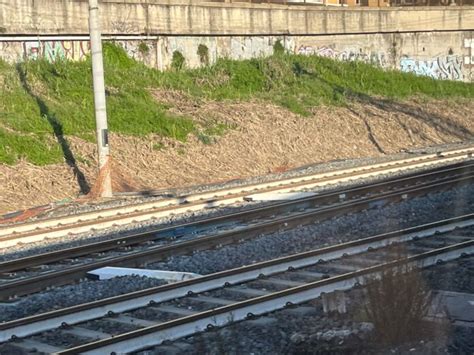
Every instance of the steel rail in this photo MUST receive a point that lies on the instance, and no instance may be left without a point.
(97, 309)
(140, 258)
(242, 216)
(188, 325)
(140, 212)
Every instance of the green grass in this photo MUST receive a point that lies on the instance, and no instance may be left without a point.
(35, 149)
(300, 82)
(40, 100)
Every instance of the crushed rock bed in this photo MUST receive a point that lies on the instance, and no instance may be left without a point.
(307, 330)
(457, 276)
(349, 227)
(68, 241)
(280, 332)
(83, 292)
(395, 216)
(48, 245)
(71, 208)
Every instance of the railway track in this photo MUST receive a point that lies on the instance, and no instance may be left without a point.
(149, 317)
(92, 221)
(32, 274)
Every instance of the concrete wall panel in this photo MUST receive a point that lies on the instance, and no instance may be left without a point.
(440, 44)
(440, 55)
(194, 17)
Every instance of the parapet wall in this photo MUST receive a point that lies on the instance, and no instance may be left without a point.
(162, 17)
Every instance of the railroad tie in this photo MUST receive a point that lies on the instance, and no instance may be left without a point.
(212, 300)
(86, 333)
(131, 321)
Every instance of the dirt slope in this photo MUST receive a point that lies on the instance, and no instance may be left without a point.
(266, 138)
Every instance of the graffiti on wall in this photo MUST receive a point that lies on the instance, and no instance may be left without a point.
(375, 58)
(8, 52)
(158, 53)
(53, 50)
(442, 67)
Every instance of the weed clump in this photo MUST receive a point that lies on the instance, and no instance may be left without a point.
(397, 304)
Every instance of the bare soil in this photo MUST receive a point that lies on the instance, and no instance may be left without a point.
(264, 138)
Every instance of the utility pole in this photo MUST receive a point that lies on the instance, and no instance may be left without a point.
(104, 180)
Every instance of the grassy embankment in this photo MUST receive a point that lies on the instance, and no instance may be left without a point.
(40, 102)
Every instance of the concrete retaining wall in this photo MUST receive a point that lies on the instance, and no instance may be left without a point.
(175, 17)
(437, 42)
(440, 55)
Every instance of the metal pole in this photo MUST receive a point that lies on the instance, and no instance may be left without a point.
(104, 180)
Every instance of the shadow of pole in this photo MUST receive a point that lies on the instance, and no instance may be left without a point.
(58, 131)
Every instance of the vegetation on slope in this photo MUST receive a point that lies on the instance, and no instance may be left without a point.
(41, 101)
(300, 82)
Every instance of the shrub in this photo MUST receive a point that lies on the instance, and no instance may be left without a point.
(143, 48)
(278, 48)
(203, 53)
(177, 61)
(397, 303)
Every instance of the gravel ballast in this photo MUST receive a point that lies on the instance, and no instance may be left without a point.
(73, 240)
(395, 216)
(66, 296)
(349, 227)
(66, 209)
(69, 241)
(306, 329)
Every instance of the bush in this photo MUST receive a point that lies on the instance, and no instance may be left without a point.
(178, 61)
(278, 48)
(143, 48)
(203, 53)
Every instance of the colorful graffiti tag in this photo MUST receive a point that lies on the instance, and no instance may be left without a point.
(53, 50)
(442, 67)
(347, 55)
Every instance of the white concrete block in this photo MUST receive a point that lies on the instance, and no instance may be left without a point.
(274, 196)
(109, 272)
